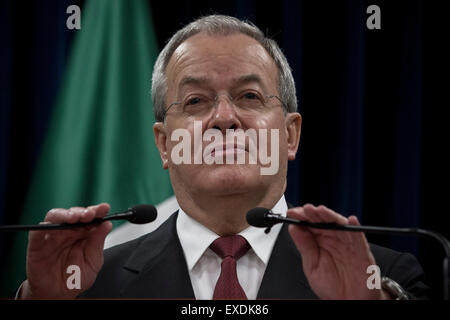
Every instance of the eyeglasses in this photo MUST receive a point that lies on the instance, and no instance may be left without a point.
(199, 106)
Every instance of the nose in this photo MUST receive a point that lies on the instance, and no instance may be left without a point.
(224, 115)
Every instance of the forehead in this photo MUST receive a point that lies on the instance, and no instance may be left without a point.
(220, 59)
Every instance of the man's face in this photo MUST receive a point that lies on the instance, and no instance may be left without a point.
(225, 66)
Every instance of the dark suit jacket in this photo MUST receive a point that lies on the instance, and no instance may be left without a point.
(153, 266)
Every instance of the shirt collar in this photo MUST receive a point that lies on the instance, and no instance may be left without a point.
(196, 238)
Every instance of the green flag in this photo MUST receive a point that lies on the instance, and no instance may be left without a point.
(100, 143)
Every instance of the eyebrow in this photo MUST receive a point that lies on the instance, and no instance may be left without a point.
(248, 78)
(192, 80)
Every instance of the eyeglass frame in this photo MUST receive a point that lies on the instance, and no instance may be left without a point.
(231, 100)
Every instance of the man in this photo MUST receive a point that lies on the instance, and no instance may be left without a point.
(219, 75)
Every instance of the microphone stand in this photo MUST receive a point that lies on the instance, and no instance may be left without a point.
(125, 215)
(272, 218)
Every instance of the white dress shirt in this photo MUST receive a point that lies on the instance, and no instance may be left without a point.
(204, 265)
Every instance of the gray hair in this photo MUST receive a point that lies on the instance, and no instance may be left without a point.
(221, 25)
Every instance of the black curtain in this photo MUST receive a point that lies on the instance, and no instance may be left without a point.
(373, 103)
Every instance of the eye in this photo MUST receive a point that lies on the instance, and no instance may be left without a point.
(250, 96)
(249, 100)
(193, 101)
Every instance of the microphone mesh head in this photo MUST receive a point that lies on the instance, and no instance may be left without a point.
(256, 217)
(143, 213)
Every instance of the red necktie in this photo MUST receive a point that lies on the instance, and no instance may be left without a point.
(230, 249)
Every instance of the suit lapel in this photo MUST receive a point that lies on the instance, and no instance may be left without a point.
(284, 277)
(161, 271)
(160, 267)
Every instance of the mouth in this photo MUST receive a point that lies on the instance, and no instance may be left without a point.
(225, 149)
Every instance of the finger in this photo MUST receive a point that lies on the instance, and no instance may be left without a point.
(37, 239)
(72, 215)
(353, 220)
(88, 214)
(80, 214)
(329, 216)
(95, 212)
(306, 244)
(100, 210)
(321, 214)
(358, 238)
(96, 242)
(299, 213)
(58, 215)
(311, 213)
(296, 213)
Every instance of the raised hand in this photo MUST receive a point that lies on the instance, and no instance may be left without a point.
(334, 262)
(51, 252)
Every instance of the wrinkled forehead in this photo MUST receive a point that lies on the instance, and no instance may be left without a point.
(220, 58)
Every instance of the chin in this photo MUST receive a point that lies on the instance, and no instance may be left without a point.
(230, 179)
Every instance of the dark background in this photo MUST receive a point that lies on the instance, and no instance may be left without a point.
(375, 133)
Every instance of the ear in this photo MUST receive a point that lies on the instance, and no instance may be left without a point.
(159, 129)
(293, 123)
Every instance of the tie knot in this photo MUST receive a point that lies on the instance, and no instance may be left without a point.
(230, 246)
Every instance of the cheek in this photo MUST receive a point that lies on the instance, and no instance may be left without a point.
(263, 122)
(179, 141)
(271, 124)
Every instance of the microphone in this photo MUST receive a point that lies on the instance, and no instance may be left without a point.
(139, 214)
(265, 218)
